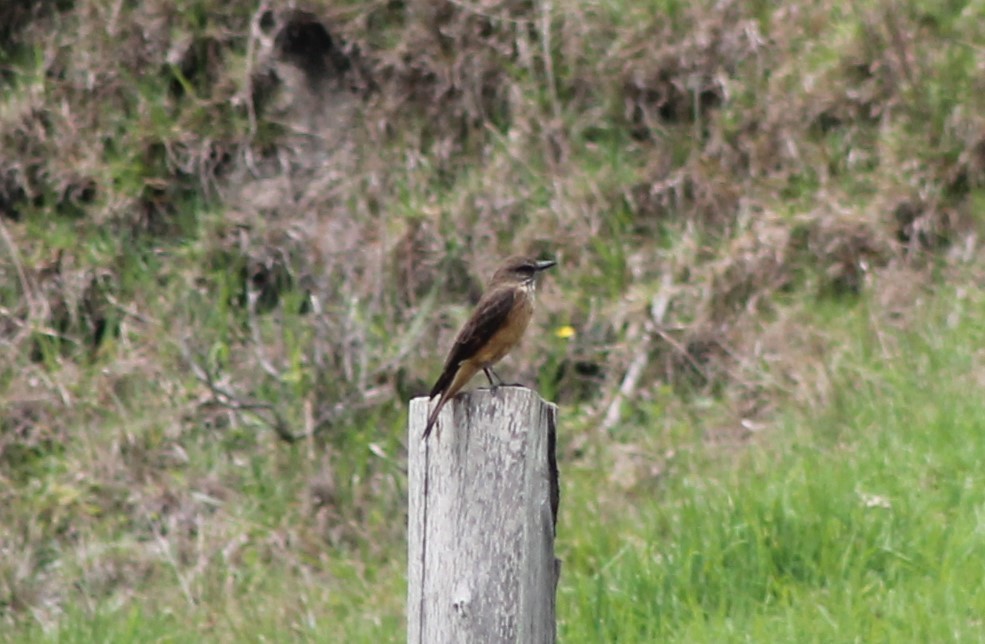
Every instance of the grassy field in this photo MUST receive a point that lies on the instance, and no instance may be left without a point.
(863, 523)
(235, 241)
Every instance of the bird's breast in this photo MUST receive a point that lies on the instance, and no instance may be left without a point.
(507, 337)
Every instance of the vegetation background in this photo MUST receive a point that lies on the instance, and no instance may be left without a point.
(236, 238)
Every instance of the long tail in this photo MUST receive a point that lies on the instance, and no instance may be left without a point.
(433, 416)
(449, 384)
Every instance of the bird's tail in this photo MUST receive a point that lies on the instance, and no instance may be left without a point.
(433, 416)
(449, 385)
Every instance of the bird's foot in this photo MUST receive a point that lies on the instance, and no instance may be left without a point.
(493, 377)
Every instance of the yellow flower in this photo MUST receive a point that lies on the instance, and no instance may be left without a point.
(564, 332)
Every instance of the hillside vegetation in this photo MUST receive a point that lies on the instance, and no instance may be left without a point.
(236, 239)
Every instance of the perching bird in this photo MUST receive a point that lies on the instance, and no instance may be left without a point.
(495, 327)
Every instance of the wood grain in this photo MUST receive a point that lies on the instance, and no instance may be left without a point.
(483, 496)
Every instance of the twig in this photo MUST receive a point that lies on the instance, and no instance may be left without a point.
(251, 298)
(169, 555)
(489, 16)
(545, 43)
(229, 400)
(684, 352)
(25, 283)
(658, 311)
(628, 386)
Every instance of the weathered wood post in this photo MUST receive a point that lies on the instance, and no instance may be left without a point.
(483, 497)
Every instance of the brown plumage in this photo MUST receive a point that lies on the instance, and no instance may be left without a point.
(495, 327)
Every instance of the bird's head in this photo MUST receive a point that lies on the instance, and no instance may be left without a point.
(521, 269)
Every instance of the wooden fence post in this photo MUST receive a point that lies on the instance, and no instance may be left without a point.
(483, 497)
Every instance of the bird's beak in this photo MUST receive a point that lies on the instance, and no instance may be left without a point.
(544, 264)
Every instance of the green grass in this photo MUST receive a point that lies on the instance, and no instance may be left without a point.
(862, 524)
(346, 611)
(865, 522)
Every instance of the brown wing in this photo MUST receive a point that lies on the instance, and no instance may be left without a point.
(489, 315)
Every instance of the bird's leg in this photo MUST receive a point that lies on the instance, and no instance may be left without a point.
(489, 374)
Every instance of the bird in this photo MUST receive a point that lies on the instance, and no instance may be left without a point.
(495, 327)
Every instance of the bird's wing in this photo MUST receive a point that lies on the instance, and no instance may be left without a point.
(489, 315)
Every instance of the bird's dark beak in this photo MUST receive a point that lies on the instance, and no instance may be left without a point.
(544, 264)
